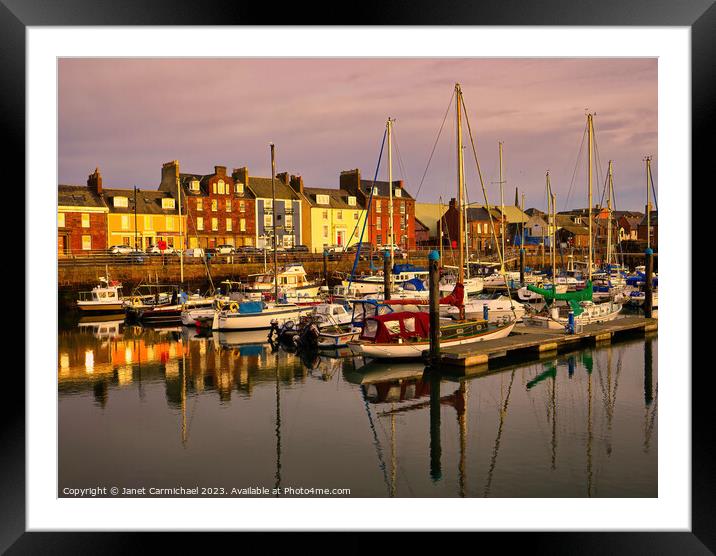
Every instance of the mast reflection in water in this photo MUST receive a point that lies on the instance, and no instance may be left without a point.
(167, 407)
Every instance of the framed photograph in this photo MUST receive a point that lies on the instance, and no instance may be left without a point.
(358, 278)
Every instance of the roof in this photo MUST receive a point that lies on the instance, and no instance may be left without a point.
(420, 225)
(429, 214)
(383, 189)
(513, 214)
(653, 219)
(337, 198)
(78, 196)
(576, 230)
(261, 187)
(479, 212)
(148, 202)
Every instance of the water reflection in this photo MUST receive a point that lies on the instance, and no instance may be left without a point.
(563, 426)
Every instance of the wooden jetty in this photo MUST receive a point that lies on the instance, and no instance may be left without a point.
(530, 342)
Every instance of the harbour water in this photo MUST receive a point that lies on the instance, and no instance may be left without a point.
(166, 408)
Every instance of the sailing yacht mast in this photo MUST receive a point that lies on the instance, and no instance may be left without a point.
(466, 230)
(181, 238)
(554, 240)
(544, 245)
(502, 211)
(440, 226)
(273, 212)
(389, 125)
(648, 203)
(461, 193)
(590, 133)
(609, 215)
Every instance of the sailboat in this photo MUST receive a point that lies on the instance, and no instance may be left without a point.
(580, 302)
(406, 334)
(256, 315)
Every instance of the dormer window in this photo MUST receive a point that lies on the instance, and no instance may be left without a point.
(397, 192)
(239, 188)
(194, 185)
(351, 201)
(120, 202)
(168, 203)
(322, 199)
(375, 191)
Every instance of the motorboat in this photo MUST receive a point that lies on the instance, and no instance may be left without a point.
(104, 299)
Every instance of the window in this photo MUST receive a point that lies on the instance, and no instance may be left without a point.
(199, 223)
(402, 207)
(214, 189)
(322, 199)
(60, 219)
(397, 192)
(222, 188)
(214, 205)
(268, 220)
(325, 232)
(120, 201)
(170, 223)
(409, 324)
(85, 220)
(289, 221)
(339, 215)
(242, 224)
(228, 205)
(167, 203)
(351, 200)
(356, 216)
(377, 206)
(378, 222)
(370, 328)
(379, 239)
(125, 222)
(375, 191)
(147, 222)
(214, 224)
(228, 225)
(194, 185)
(392, 326)
(268, 204)
(325, 215)
(86, 243)
(200, 204)
(242, 206)
(239, 188)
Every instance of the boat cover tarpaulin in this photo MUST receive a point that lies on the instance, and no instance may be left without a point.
(251, 307)
(390, 327)
(407, 267)
(573, 298)
(455, 298)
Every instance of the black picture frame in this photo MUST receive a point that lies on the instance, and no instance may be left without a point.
(699, 15)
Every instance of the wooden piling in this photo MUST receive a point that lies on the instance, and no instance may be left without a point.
(434, 301)
(648, 291)
(386, 275)
(522, 266)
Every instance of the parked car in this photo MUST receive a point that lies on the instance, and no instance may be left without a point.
(120, 249)
(136, 256)
(155, 250)
(194, 252)
(248, 250)
(225, 249)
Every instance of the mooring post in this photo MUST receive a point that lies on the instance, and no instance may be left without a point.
(325, 268)
(648, 300)
(435, 448)
(522, 266)
(386, 275)
(434, 293)
(570, 321)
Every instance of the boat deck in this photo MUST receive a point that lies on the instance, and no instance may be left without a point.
(531, 341)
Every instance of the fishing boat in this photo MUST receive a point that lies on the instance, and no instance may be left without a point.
(499, 308)
(405, 335)
(292, 282)
(104, 299)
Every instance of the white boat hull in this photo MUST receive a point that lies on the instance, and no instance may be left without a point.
(414, 350)
(225, 320)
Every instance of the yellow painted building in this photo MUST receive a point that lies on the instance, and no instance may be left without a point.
(336, 219)
(157, 218)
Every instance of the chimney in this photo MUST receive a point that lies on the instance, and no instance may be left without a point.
(350, 181)
(94, 181)
(170, 175)
(399, 183)
(283, 177)
(241, 175)
(453, 203)
(220, 170)
(297, 184)
(517, 198)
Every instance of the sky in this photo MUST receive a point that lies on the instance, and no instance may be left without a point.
(129, 116)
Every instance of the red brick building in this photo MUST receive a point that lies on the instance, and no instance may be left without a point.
(81, 217)
(220, 209)
(378, 214)
(479, 225)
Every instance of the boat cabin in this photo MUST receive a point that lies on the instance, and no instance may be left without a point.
(396, 327)
(293, 276)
